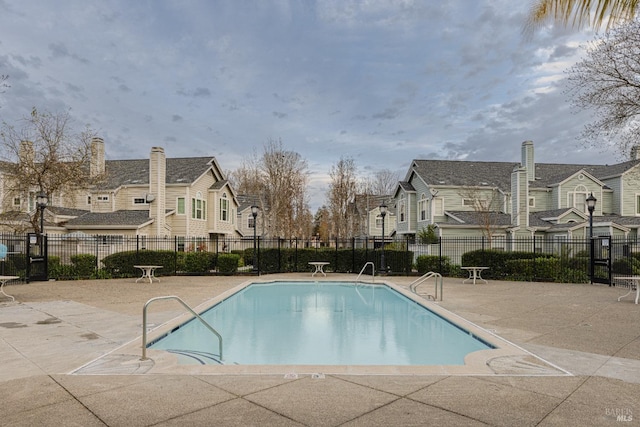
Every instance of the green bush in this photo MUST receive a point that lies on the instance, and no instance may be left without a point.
(84, 264)
(121, 264)
(196, 262)
(228, 263)
(426, 263)
(627, 266)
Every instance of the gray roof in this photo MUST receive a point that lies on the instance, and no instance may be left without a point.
(475, 218)
(118, 218)
(59, 210)
(130, 172)
(498, 174)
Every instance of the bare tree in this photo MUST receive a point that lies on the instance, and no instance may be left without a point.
(341, 196)
(382, 183)
(45, 156)
(284, 176)
(247, 179)
(607, 81)
(488, 205)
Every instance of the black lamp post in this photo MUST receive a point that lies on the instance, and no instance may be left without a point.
(254, 213)
(41, 203)
(383, 213)
(591, 205)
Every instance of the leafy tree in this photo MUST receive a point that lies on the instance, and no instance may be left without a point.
(579, 13)
(607, 81)
(44, 155)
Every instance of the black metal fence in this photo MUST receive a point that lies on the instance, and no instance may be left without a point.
(531, 259)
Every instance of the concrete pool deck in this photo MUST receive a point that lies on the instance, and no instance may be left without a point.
(54, 331)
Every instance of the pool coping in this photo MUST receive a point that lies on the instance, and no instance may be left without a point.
(506, 358)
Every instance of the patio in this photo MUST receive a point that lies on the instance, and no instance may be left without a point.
(56, 328)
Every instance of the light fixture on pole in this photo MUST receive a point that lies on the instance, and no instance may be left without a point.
(591, 205)
(383, 213)
(41, 202)
(254, 213)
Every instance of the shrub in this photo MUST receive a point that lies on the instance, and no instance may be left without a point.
(121, 264)
(228, 263)
(84, 264)
(196, 262)
(426, 263)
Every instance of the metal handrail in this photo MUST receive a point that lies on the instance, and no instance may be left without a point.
(185, 305)
(373, 271)
(414, 285)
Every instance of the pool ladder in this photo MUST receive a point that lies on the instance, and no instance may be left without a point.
(185, 305)
(373, 271)
(438, 278)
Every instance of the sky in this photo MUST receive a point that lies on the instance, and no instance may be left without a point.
(380, 81)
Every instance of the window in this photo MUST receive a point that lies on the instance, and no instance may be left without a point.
(139, 201)
(224, 208)
(103, 198)
(251, 223)
(16, 201)
(422, 207)
(475, 203)
(532, 202)
(578, 198)
(198, 207)
(89, 199)
(637, 204)
(378, 221)
(180, 206)
(402, 209)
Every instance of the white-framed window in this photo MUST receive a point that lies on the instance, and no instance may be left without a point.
(422, 207)
(251, 222)
(475, 203)
(224, 208)
(578, 198)
(379, 221)
(180, 206)
(402, 208)
(139, 201)
(88, 199)
(638, 204)
(16, 201)
(438, 206)
(198, 207)
(103, 198)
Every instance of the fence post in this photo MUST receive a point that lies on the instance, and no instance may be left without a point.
(295, 257)
(353, 254)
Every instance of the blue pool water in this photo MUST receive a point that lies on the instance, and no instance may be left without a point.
(321, 323)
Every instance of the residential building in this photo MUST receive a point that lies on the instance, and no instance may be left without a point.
(501, 200)
(188, 198)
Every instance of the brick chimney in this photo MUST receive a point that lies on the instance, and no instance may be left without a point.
(157, 183)
(519, 197)
(26, 154)
(96, 165)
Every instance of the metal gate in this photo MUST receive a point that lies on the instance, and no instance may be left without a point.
(602, 250)
(37, 265)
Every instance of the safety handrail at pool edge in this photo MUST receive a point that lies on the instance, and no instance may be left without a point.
(185, 305)
(373, 271)
(420, 280)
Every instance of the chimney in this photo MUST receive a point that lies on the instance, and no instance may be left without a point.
(157, 182)
(26, 154)
(635, 152)
(528, 161)
(519, 197)
(96, 165)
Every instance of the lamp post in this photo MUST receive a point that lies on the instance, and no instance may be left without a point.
(383, 213)
(591, 205)
(41, 203)
(254, 213)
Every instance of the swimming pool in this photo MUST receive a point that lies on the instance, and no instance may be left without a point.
(321, 323)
